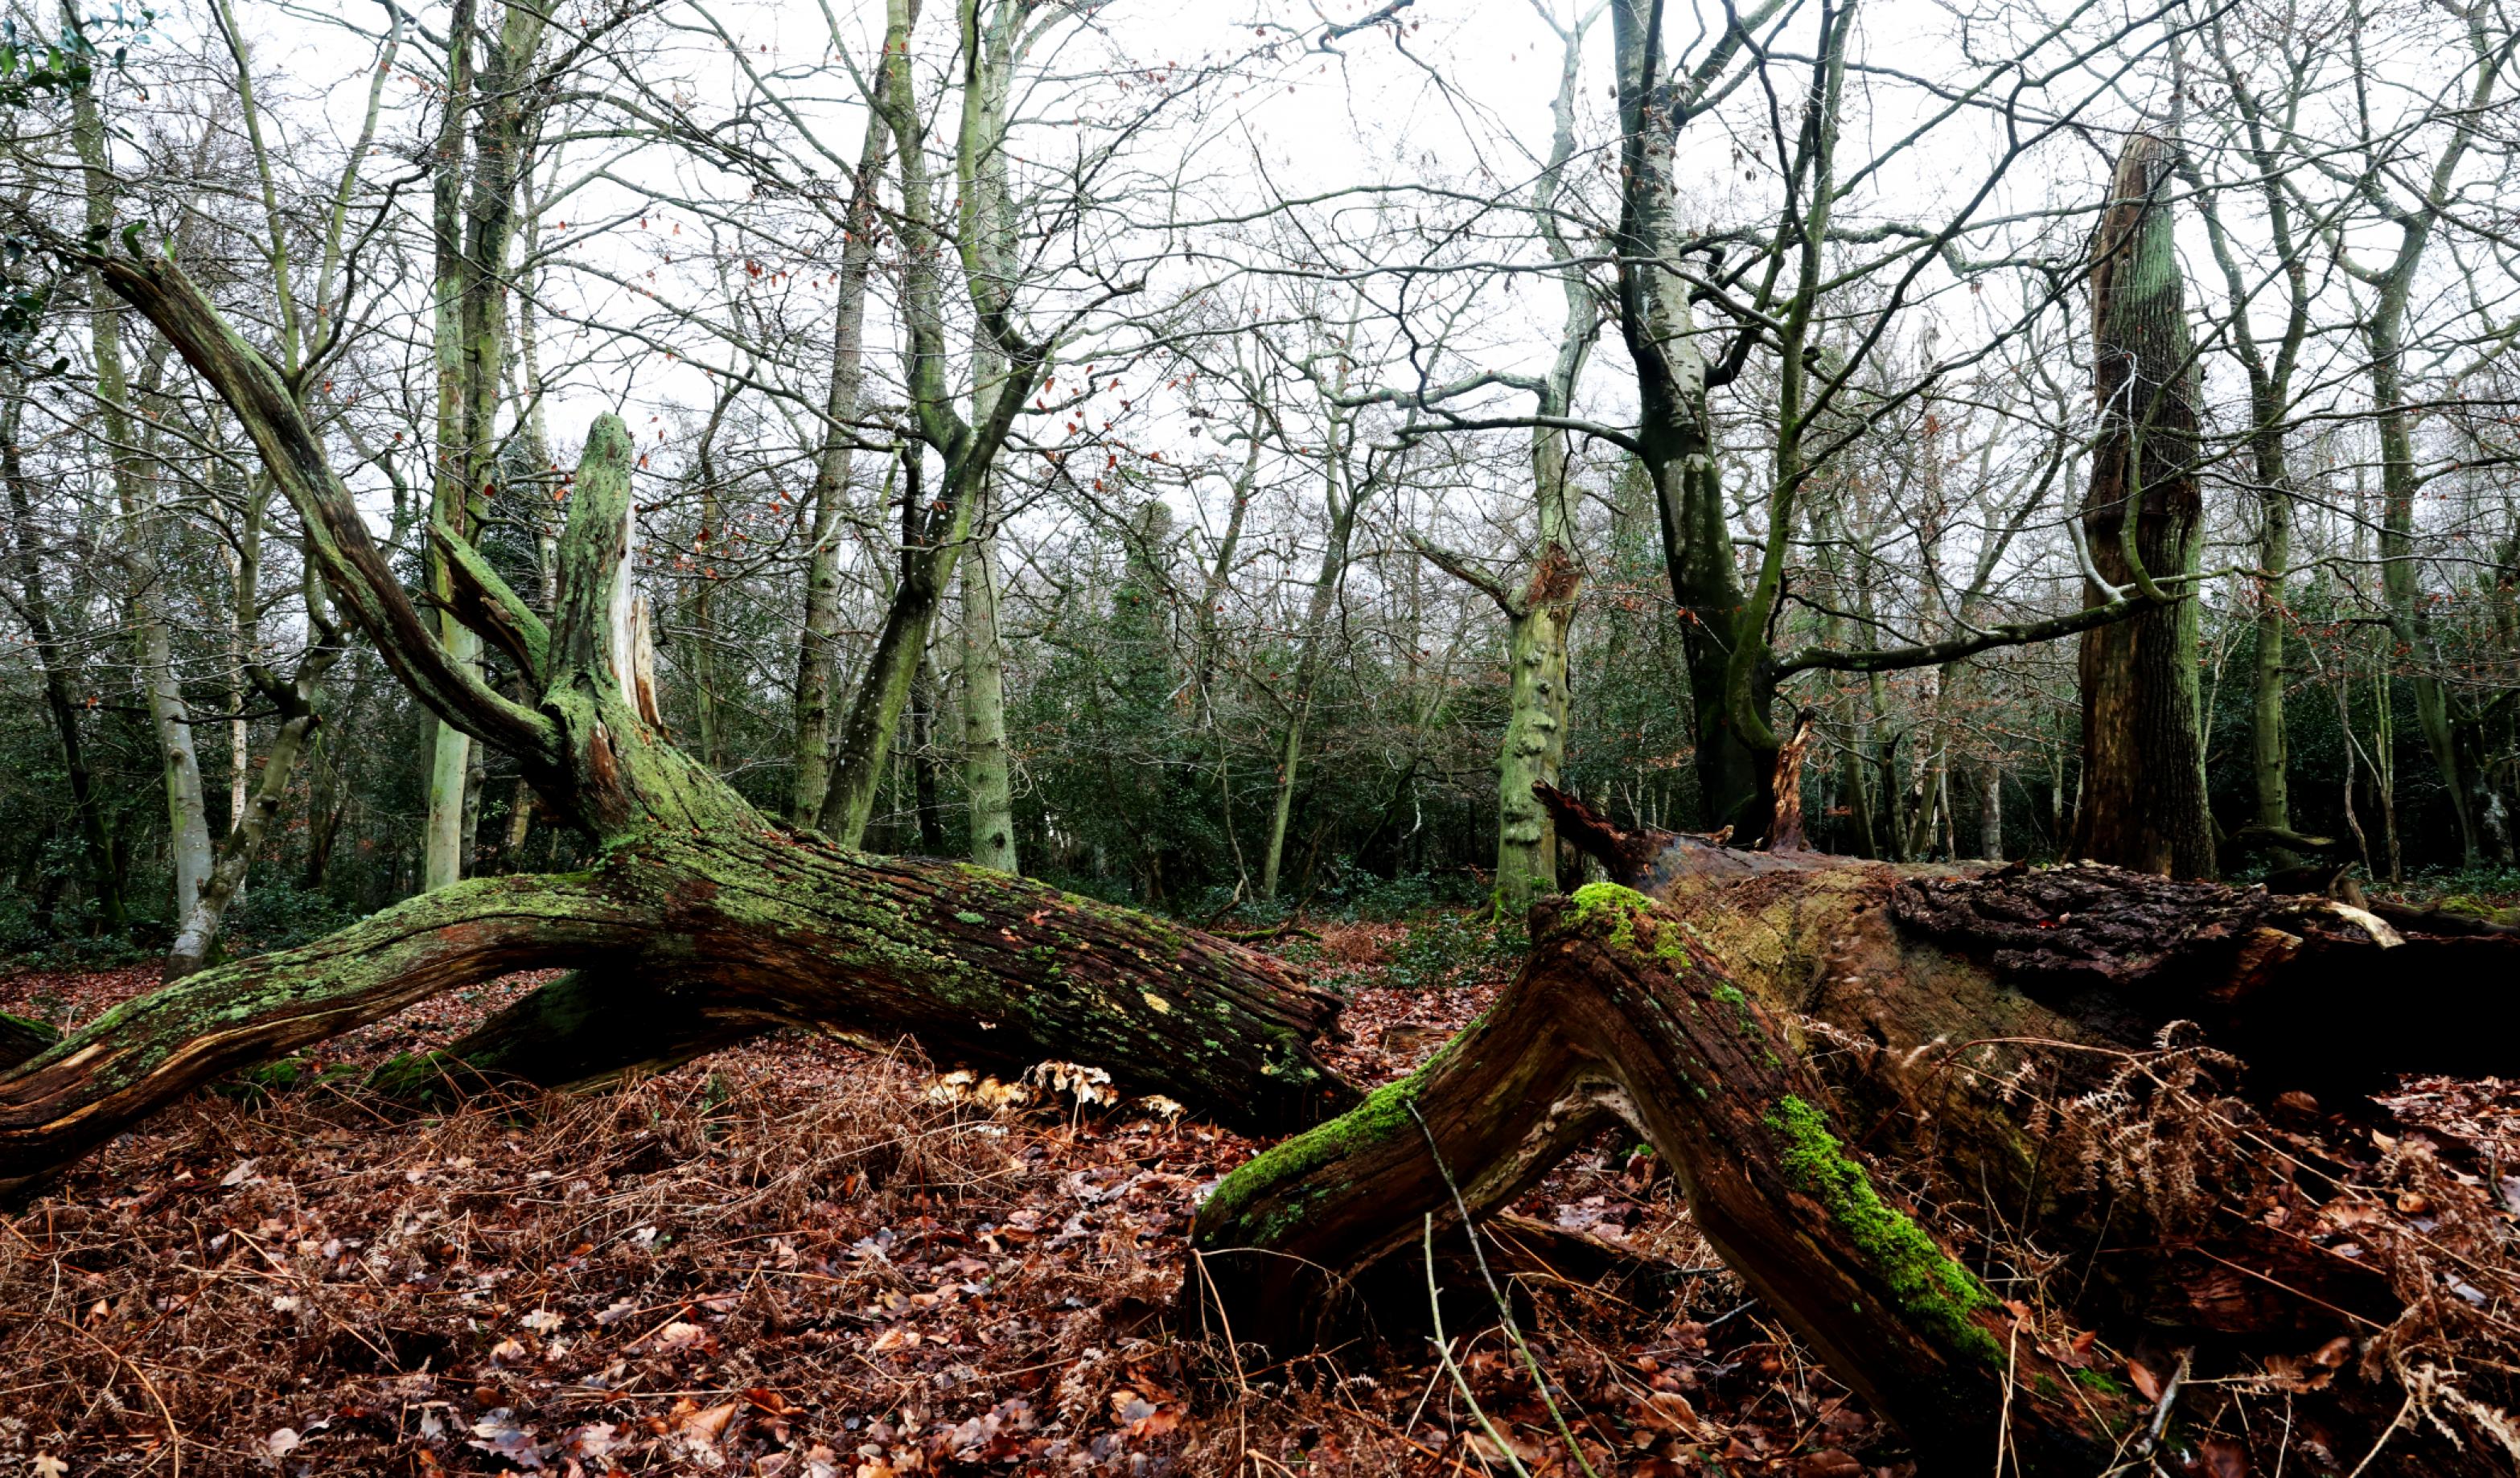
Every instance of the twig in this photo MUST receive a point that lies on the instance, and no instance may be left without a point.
(1242, 1384)
(2387, 1432)
(2003, 1422)
(1505, 1310)
(1444, 1352)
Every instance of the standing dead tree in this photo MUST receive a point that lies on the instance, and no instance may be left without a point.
(2143, 762)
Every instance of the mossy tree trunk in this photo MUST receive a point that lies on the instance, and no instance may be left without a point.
(1767, 1007)
(700, 903)
(1541, 614)
(1618, 1017)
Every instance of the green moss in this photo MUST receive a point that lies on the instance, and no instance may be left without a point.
(1384, 1114)
(2102, 1382)
(1624, 907)
(1933, 1289)
(967, 916)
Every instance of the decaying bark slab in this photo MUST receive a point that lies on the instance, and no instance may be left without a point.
(2295, 985)
(1618, 1015)
(20, 1039)
(2094, 954)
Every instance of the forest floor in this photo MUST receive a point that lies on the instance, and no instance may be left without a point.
(810, 1259)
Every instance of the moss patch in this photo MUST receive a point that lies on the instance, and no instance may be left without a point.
(1933, 1289)
(1630, 922)
(1382, 1117)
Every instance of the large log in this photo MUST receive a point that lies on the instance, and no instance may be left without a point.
(2045, 1054)
(705, 920)
(1618, 1015)
(774, 929)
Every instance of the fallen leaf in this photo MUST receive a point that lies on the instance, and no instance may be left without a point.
(499, 1434)
(594, 1440)
(2144, 1380)
(708, 1425)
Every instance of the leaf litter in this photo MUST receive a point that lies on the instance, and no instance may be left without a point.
(800, 1258)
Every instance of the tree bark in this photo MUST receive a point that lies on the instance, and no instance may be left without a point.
(932, 544)
(993, 247)
(35, 607)
(2144, 789)
(187, 810)
(817, 647)
(295, 699)
(1672, 430)
(1541, 614)
(1343, 500)
(988, 782)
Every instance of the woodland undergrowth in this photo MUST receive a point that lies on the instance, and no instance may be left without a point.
(805, 1258)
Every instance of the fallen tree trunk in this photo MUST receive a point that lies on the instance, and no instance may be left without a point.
(704, 922)
(1619, 1017)
(752, 933)
(2081, 1070)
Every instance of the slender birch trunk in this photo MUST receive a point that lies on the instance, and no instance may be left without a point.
(180, 765)
(817, 649)
(451, 749)
(987, 776)
(52, 655)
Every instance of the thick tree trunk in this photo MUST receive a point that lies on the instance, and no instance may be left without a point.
(1542, 613)
(450, 494)
(1675, 437)
(753, 929)
(1617, 1017)
(1535, 734)
(2143, 791)
(1939, 1009)
(932, 544)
